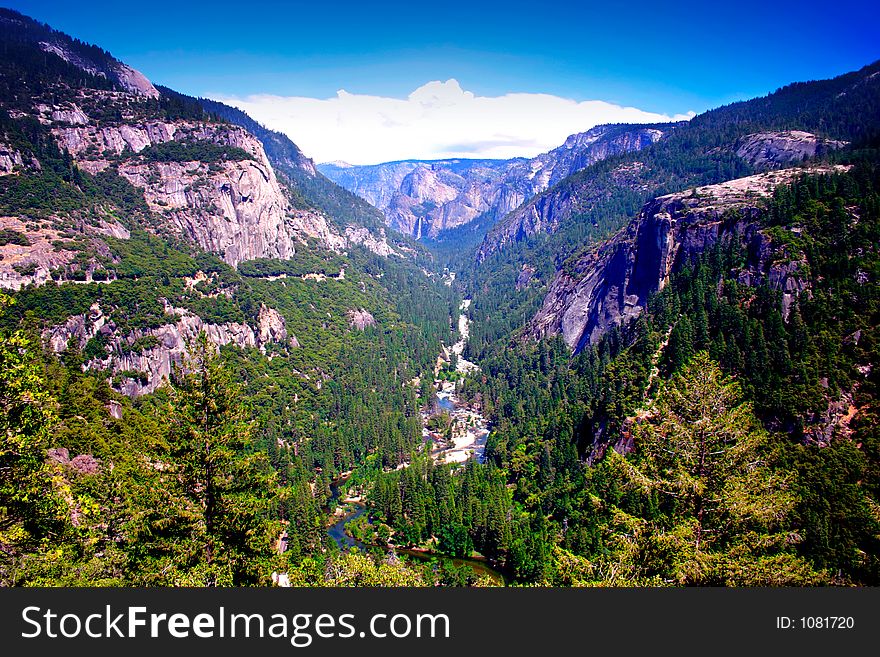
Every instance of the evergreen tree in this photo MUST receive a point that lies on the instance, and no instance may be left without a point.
(723, 507)
(30, 509)
(223, 489)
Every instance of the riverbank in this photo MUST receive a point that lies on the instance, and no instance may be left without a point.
(470, 430)
(480, 565)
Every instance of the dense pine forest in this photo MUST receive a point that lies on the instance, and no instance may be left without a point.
(726, 435)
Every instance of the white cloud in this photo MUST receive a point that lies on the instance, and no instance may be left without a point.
(437, 120)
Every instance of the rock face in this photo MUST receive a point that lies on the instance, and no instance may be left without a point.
(9, 159)
(767, 150)
(125, 76)
(611, 284)
(423, 199)
(586, 148)
(360, 319)
(142, 371)
(545, 212)
(94, 61)
(361, 222)
(377, 243)
(235, 208)
(33, 262)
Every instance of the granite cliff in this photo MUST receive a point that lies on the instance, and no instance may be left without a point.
(234, 207)
(138, 362)
(425, 198)
(610, 284)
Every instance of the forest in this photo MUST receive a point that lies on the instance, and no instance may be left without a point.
(720, 438)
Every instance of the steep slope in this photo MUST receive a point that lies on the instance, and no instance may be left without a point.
(423, 198)
(20, 32)
(143, 206)
(611, 284)
(360, 222)
(519, 258)
(802, 120)
(427, 198)
(202, 178)
(210, 182)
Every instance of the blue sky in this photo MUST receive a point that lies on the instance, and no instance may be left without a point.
(664, 58)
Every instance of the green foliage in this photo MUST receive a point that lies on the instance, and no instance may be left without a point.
(10, 236)
(717, 510)
(463, 508)
(216, 491)
(551, 410)
(205, 152)
(355, 569)
(30, 510)
(602, 198)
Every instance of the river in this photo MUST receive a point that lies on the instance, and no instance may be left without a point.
(470, 430)
(468, 440)
(345, 541)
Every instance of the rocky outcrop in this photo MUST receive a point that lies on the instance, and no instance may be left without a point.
(377, 243)
(236, 208)
(92, 142)
(271, 327)
(140, 361)
(611, 284)
(423, 199)
(43, 254)
(770, 150)
(125, 76)
(9, 159)
(525, 277)
(82, 463)
(578, 195)
(360, 319)
(585, 149)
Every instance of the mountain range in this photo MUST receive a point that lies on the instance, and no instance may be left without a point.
(177, 276)
(426, 198)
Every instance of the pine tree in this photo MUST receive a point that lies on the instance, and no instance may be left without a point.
(703, 452)
(225, 490)
(30, 509)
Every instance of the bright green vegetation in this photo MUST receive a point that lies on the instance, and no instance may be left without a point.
(465, 510)
(767, 376)
(339, 399)
(205, 152)
(703, 501)
(551, 410)
(685, 448)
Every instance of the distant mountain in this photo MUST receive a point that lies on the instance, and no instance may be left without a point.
(425, 198)
(800, 121)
